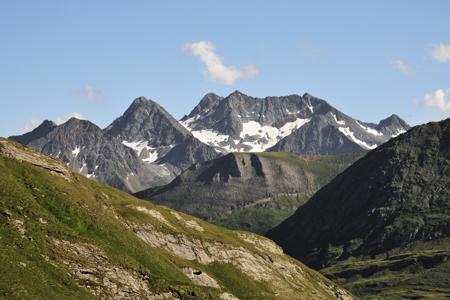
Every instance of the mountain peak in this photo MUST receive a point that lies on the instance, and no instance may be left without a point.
(143, 102)
(308, 95)
(36, 133)
(237, 93)
(73, 120)
(211, 95)
(394, 121)
(47, 123)
(140, 100)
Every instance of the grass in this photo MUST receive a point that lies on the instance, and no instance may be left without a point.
(325, 167)
(83, 211)
(259, 218)
(412, 273)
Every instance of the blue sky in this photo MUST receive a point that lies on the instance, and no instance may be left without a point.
(92, 58)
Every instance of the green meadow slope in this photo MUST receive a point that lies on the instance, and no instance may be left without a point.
(63, 236)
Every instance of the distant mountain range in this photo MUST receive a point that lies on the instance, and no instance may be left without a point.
(147, 147)
(301, 124)
(382, 227)
(144, 147)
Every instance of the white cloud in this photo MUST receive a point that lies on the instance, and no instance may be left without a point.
(402, 66)
(90, 92)
(215, 68)
(441, 53)
(439, 100)
(30, 125)
(63, 119)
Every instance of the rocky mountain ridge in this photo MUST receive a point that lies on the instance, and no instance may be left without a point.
(162, 147)
(302, 124)
(144, 147)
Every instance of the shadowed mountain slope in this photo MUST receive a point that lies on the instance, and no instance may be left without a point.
(383, 225)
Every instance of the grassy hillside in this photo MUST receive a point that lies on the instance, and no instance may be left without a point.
(420, 271)
(249, 191)
(63, 236)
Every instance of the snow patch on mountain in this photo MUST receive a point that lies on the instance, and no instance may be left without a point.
(82, 167)
(253, 135)
(400, 131)
(139, 146)
(186, 123)
(270, 133)
(347, 132)
(339, 122)
(152, 155)
(76, 151)
(211, 137)
(369, 130)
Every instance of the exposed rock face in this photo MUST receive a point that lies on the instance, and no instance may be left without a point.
(241, 182)
(145, 147)
(90, 265)
(395, 201)
(319, 136)
(163, 140)
(36, 133)
(19, 153)
(201, 278)
(301, 124)
(268, 267)
(86, 150)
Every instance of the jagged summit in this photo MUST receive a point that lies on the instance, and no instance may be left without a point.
(156, 136)
(303, 124)
(236, 93)
(143, 120)
(36, 133)
(144, 147)
(235, 123)
(73, 121)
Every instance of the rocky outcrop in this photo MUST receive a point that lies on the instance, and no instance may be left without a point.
(20, 153)
(269, 265)
(93, 269)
